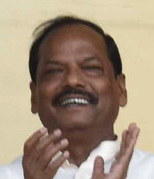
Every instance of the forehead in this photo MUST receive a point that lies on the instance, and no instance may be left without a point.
(73, 37)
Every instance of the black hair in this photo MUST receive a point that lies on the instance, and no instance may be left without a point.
(47, 27)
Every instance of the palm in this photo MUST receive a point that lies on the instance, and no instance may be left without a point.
(120, 165)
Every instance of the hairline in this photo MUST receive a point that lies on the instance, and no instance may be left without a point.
(53, 25)
(75, 24)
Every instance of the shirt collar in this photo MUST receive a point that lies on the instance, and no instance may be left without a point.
(106, 149)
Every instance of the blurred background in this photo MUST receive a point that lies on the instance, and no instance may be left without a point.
(130, 22)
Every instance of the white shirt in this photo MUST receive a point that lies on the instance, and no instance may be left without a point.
(141, 165)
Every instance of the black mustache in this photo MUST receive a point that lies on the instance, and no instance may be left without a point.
(93, 98)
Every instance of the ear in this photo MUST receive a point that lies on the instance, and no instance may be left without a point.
(33, 97)
(122, 90)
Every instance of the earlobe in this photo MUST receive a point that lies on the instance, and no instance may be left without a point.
(33, 98)
(122, 90)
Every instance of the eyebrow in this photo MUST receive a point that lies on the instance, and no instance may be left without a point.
(53, 62)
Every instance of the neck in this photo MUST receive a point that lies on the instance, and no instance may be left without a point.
(82, 142)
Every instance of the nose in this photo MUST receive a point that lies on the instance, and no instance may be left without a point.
(74, 78)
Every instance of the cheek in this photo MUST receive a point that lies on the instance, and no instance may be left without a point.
(108, 97)
(48, 89)
(46, 92)
(103, 86)
(45, 111)
(45, 95)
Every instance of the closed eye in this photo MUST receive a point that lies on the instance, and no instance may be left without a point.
(92, 68)
(54, 70)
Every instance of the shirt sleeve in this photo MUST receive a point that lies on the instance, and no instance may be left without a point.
(13, 170)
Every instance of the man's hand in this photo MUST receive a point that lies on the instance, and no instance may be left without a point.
(120, 165)
(39, 150)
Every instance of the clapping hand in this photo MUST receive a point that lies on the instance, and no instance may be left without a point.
(39, 152)
(120, 165)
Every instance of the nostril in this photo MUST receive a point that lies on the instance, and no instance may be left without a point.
(74, 80)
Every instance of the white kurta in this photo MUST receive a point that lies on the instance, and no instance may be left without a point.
(141, 165)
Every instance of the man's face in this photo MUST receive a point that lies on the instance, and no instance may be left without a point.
(76, 86)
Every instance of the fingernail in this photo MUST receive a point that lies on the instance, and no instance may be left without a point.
(43, 130)
(66, 153)
(64, 141)
(57, 132)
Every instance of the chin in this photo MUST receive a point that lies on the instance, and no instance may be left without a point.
(68, 119)
(79, 121)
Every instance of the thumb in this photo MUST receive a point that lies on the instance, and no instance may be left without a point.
(98, 170)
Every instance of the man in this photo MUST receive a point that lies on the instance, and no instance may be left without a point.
(77, 88)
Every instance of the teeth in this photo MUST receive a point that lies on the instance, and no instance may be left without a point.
(74, 101)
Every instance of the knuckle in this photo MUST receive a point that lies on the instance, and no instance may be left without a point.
(50, 151)
(46, 157)
(59, 161)
(37, 149)
(51, 168)
(27, 147)
(59, 147)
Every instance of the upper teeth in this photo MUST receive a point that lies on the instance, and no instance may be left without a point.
(74, 101)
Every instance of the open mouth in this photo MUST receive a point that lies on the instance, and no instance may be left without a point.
(74, 97)
(74, 101)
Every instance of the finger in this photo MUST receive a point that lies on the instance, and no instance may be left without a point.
(54, 137)
(98, 170)
(33, 140)
(54, 165)
(132, 130)
(122, 145)
(49, 153)
(123, 142)
(130, 140)
(126, 136)
(44, 142)
(132, 126)
(129, 137)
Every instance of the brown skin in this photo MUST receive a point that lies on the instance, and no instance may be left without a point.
(120, 166)
(40, 148)
(75, 56)
(68, 50)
